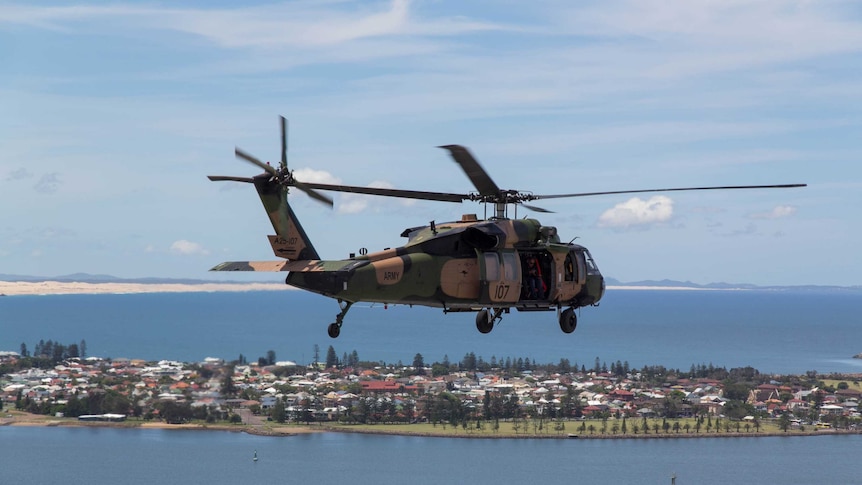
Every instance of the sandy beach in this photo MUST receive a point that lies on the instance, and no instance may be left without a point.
(12, 288)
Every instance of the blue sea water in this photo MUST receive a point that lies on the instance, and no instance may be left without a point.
(784, 332)
(773, 331)
(144, 456)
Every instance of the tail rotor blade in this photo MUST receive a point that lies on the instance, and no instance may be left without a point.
(313, 193)
(254, 161)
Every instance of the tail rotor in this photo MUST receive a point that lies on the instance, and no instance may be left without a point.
(281, 175)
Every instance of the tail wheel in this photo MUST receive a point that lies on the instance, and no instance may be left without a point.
(334, 330)
(484, 322)
(568, 320)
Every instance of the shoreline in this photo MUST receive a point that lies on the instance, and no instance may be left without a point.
(46, 288)
(31, 420)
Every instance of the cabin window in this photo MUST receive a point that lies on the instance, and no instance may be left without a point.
(492, 267)
(510, 266)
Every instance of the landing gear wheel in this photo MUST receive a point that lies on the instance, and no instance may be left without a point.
(334, 330)
(568, 320)
(484, 322)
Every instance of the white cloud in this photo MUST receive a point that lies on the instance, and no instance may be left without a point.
(355, 203)
(638, 212)
(315, 176)
(347, 203)
(776, 213)
(188, 248)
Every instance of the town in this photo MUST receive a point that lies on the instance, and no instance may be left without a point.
(497, 398)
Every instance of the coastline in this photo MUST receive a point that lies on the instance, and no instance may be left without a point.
(22, 419)
(43, 288)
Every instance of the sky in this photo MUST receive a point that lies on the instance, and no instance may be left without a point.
(112, 114)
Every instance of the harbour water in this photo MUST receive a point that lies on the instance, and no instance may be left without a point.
(144, 456)
(773, 331)
(782, 332)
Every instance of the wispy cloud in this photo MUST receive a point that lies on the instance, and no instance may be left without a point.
(777, 212)
(48, 183)
(18, 174)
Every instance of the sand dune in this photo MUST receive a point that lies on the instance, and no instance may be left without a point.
(10, 288)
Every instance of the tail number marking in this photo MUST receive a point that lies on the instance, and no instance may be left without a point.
(501, 291)
(288, 241)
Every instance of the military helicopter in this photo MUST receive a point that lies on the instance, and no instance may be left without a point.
(487, 266)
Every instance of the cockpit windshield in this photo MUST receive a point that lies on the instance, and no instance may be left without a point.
(592, 269)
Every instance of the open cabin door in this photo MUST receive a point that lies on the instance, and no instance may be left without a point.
(499, 277)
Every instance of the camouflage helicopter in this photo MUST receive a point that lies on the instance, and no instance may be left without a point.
(487, 266)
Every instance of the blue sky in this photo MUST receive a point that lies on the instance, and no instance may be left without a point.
(112, 114)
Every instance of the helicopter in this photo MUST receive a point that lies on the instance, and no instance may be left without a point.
(487, 266)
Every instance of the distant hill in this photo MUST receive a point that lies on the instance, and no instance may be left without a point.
(722, 286)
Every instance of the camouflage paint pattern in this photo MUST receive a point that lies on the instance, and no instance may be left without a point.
(441, 265)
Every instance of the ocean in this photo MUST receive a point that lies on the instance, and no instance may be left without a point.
(779, 332)
(145, 456)
(787, 332)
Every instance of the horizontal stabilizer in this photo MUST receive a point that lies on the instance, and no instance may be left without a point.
(252, 266)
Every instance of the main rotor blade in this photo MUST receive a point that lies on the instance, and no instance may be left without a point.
(248, 158)
(537, 209)
(221, 178)
(405, 194)
(480, 178)
(726, 187)
(283, 143)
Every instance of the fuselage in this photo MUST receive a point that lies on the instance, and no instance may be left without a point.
(466, 264)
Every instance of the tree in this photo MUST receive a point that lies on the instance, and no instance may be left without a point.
(418, 361)
(23, 351)
(278, 413)
(82, 348)
(227, 386)
(784, 422)
(174, 412)
(331, 358)
(316, 354)
(270, 357)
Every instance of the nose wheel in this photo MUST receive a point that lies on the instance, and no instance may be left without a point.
(568, 320)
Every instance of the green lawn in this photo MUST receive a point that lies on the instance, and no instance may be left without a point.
(535, 428)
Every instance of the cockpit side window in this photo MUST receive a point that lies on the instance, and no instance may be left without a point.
(570, 268)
